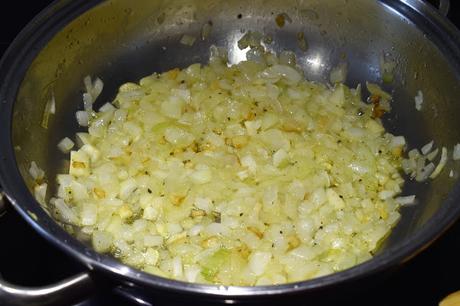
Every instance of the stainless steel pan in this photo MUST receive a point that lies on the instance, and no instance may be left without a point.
(121, 40)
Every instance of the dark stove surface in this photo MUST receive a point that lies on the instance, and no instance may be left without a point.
(27, 259)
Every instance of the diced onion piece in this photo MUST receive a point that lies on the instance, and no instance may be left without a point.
(431, 156)
(442, 163)
(82, 118)
(456, 152)
(406, 200)
(91, 151)
(98, 86)
(88, 102)
(66, 214)
(275, 72)
(279, 157)
(338, 74)
(258, 262)
(376, 90)
(127, 187)
(419, 100)
(35, 171)
(40, 193)
(397, 141)
(50, 109)
(386, 69)
(249, 162)
(102, 241)
(107, 107)
(187, 40)
(427, 148)
(424, 172)
(65, 145)
(201, 176)
(79, 163)
(178, 137)
(89, 214)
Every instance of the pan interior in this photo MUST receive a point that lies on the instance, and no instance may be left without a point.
(122, 41)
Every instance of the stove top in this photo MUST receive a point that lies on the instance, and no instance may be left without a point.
(27, 259)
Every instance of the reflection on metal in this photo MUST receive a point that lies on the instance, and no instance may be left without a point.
(2, 204)
(132, 296)
(315, 62)
(65, 292)
(235, 54)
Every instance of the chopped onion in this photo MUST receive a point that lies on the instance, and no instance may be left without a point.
(431, 156)
(65, 145)
(376, 90)
(201, 174)
(386, 69)
(424, 172)
(339, 74)
(441, 164)
(427, 148)
(456, 152)
(98, 85)
(419, 100)
(50, 109)
(406, 200)
(66, 214)
(277, 71)
(187, 40)
(82, 118)
(397, 141)
(36, 173)
(40, 193)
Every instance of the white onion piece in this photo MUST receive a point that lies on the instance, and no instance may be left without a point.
(406, 200)
(431, 156)
(376, 90)
(419, 100)
(397, 141)
(275, 72)
(427, 148)
(35, 171)
(40, 193)
(338, 74)
(456, 152)
(66, 214)
(98, 86)
(88, 102)
(50, 109)
(65, 145)
(424, 172)
(442, 163)
(82, 118)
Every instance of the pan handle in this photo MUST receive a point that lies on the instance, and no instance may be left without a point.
(65, 292)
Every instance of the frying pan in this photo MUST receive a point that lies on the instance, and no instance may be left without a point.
(122, 40)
